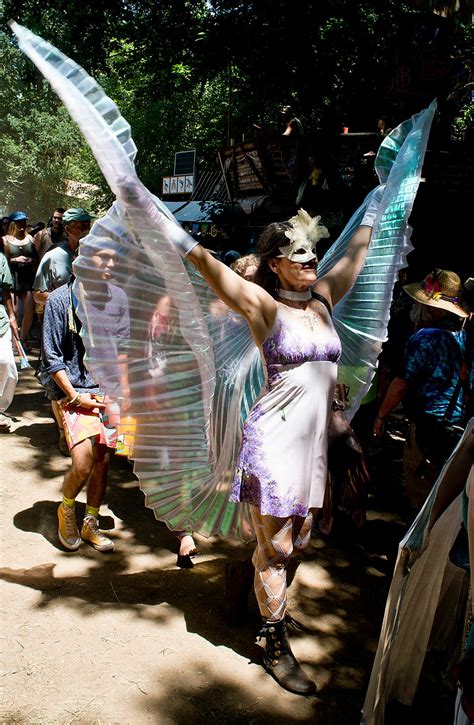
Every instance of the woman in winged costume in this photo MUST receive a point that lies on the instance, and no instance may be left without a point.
(280, 458)
(281, 467)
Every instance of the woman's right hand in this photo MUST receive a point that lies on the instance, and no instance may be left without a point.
(21, 259)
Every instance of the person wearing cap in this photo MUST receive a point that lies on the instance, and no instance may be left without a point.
(20, 251)
(435, 382)
(55, 270)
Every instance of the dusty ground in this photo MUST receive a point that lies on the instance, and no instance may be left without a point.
(129, 638)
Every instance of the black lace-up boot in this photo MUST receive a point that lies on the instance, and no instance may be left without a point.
(280, 661)
(238, 583)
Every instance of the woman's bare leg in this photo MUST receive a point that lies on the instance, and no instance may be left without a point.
(28, 314)
(272, 554)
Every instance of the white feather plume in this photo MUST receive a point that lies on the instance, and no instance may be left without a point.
(305, 227)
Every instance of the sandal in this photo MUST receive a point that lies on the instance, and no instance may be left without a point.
(5, 424)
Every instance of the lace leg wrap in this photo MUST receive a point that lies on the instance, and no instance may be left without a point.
(270, 559)
(302, 531)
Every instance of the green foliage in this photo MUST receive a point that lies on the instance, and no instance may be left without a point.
(41, 147)
(187, 72)
(463, 124)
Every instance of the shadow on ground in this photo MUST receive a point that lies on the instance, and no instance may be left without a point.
(342, 613)
(338, 595)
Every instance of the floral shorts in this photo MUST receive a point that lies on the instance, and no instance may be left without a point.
(81, 423)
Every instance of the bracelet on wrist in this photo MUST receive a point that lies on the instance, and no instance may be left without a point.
(76, 400)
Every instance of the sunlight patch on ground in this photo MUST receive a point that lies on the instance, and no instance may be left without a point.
(329, 623)
(375, 572)
(314, 576)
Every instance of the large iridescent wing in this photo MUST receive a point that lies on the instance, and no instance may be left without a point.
(193, 369)
(188, 417)
(361, 318)
(412, 611)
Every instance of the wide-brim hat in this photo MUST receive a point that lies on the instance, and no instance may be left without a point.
(441, 288)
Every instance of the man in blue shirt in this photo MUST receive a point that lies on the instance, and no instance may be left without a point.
(435, 382)
(55, 269)
(89, 419)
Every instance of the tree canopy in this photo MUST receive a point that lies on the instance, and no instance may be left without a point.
(194, 74)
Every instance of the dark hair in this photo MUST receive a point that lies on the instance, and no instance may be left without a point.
(60, 210)
(268, 247)
(36, 228)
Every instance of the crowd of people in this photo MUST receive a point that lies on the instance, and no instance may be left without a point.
(278, 293)
(127, 326)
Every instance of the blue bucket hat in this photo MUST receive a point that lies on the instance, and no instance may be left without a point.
(18, 216)
(76, 214)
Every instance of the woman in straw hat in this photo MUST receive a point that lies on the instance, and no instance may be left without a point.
(435, 382)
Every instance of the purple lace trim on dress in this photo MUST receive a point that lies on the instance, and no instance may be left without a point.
(286, 347)
(257, 488)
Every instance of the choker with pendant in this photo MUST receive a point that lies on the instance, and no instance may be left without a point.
(286, 294)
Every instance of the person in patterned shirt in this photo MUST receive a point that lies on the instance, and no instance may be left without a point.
(435, 382)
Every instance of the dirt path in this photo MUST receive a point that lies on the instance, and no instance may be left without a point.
(129, 638)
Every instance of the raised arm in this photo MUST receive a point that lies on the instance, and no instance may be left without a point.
(336, 283)
(244, 297)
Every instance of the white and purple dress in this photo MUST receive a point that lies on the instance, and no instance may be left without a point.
(282, 463)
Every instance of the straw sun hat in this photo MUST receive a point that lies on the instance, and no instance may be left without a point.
(441, 289)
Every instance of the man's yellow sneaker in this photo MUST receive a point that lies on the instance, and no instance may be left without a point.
(90, 532)
(67, 528)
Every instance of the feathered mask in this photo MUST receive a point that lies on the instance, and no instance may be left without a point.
(304, 234)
